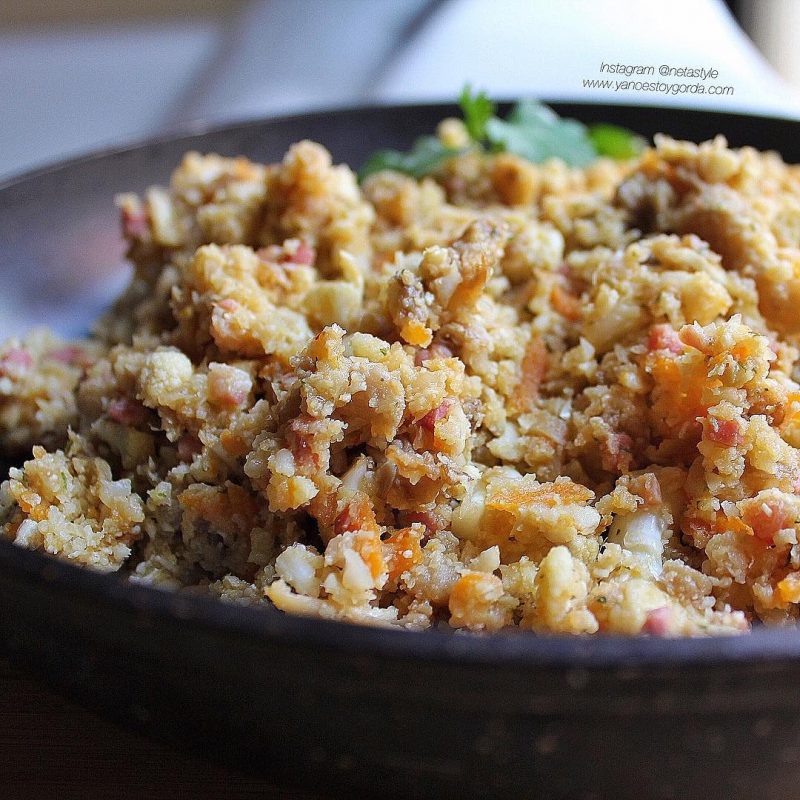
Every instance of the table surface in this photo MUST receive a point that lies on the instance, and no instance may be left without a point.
(52, 748)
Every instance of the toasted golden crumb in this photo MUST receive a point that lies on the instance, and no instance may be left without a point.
(505, 394)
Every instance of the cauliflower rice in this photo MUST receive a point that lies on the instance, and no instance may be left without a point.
(504, 395)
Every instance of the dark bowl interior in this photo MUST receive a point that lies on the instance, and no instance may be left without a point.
(375, 710)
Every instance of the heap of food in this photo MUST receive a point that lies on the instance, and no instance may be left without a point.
(499, 393)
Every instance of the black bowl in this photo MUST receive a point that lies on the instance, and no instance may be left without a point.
(379, 711)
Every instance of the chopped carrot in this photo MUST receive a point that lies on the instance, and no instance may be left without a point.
(547, 494)
(683, 384)
(744, 349)
(533, 368)
(733, 524)
(414, 332)
(368, 545)
(403, 551)
(666, 371)
(566, 303)
(33, 505)
(229, 509)
(791, 409)
(472, 590)
(357, 515)
(233, 443)
(789, 588)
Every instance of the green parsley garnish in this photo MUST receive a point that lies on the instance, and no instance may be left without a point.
(531, 130)
(477, 109)
(615, 142)
(537, 133)
(427, 154)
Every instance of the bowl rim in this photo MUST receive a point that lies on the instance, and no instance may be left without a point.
(214, 125)
(509, 647)
(268, 625)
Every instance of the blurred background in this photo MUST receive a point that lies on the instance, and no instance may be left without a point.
(79, 75)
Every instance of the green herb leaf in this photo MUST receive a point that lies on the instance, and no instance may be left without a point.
(537, 133)
(532, 131)
(615, 142)
(427, 154)
(477, 109)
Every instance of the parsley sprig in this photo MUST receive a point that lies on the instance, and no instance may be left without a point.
(531, 130)
(426, 156)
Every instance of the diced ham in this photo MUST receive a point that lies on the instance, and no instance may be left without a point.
(275, 254)
(767, 518)
(304, 255)
(357, 515)
(616, 452)
(188, 446)
(72, 355)
(428, 422)
(228, 387)
(127, 411)
(426, 518)
(723, 431)
(272, 253)
(346, 520)
(648, 488)
(303, 453)
(300, 439)
(663, 337)
(228, 304)
(134, 223)
(66, 355)
(15, 361)
(658, 621)
(436, 350)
